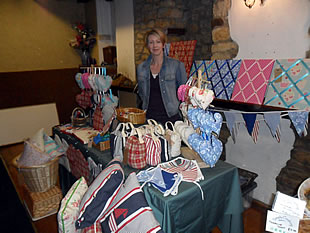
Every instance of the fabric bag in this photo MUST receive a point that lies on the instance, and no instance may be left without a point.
(153, 148)
(118, 140)
(135, 151)
(174, 140)
(98, 118)
(129, 212)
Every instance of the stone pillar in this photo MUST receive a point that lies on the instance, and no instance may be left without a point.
(223, 46)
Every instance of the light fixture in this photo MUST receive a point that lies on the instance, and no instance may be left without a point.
(249, 3)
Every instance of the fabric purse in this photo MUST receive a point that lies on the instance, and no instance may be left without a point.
(130, 212)
(98, 118)
(153, 149)
(117, 141)
(174, 140)
(135, 151)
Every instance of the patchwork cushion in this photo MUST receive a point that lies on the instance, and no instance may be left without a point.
(129, 212)
(223, 75)
(51, 148)
(252, 81)
(37, 139)
(69, 208)
(290, 84)
(100, 194)
(184, 52)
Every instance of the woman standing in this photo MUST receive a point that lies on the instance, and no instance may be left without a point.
(159, 78)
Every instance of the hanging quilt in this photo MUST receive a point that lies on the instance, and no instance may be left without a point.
(223, 75)
(252, 81)
(290, 84)
(184, 52)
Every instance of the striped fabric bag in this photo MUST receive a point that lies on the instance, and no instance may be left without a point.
(153, 149)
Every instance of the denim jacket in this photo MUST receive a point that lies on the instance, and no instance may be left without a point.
(171, 76)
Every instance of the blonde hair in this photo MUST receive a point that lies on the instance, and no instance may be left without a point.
(156, 32)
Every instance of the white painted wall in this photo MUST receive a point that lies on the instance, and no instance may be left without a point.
(125, 38)
(278, 29)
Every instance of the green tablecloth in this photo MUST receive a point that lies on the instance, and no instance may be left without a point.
(187, 212)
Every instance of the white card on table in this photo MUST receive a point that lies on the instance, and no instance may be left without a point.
(283, 223)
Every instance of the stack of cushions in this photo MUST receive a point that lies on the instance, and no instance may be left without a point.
(39, 149)
(109, 204)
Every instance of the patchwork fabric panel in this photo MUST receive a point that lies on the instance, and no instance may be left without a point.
(184, 52)
(223, 75)
(290, 84)
(205, 66)
(78, 163)
(252, 81)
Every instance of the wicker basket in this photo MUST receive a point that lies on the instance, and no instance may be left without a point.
(102, 146)
(133, 115)
(42, 204)
(39, 178)
(78, 121)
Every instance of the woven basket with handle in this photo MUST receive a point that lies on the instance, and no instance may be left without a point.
(133, 115)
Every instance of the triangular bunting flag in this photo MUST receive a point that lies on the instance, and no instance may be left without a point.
(230, 121)
(255, 131)
(299, 120)
(249, 119)
(273, 121)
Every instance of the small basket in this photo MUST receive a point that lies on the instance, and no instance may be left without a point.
(39, 178)
(133, 115)
(102, 146)
(78, 121)
(42, 204)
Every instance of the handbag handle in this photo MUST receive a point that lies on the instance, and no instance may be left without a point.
(171, 124)
(130, 125)
(139, 135)
(154, 123)
(121, 130)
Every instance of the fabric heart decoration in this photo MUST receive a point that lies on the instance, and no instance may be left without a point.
(203, 97)
(78, 79)
(210, 150)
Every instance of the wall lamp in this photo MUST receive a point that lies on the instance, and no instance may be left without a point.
(250, 3)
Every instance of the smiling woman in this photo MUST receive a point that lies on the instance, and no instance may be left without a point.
(159, 78)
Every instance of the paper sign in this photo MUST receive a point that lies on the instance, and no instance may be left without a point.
(283, 223)
(286, 204)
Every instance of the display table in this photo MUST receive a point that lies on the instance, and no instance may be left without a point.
(187, 212)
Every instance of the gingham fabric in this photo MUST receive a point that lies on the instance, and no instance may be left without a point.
(290, 84)
(84, 99)
(135, 153)
(78, 164)
(98, 119)
(184, 52)
(252, 81)
(223, 75)
(153, 150)
(95, 228)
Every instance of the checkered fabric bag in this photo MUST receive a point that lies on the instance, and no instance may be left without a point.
(135, 151)
(78, 164)
(98, 118)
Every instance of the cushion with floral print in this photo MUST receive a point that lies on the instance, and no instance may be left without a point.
(69, 208)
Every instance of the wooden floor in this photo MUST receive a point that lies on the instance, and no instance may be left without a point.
(254, 217)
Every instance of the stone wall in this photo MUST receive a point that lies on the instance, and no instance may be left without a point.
(194, 16)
